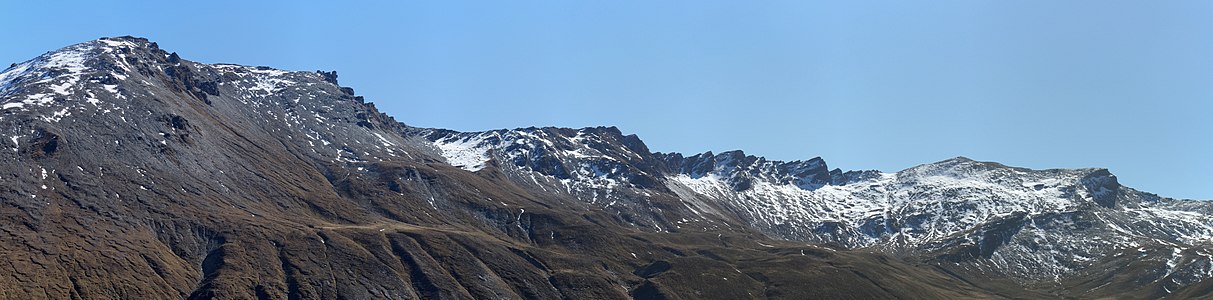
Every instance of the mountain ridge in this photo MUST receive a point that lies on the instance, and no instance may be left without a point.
(135, 161)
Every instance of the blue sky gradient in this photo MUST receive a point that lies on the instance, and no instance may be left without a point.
(1126, 85)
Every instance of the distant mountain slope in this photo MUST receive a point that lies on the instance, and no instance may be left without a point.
(133, 173)
(976, 217)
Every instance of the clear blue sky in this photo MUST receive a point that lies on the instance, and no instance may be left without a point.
(1126, 85)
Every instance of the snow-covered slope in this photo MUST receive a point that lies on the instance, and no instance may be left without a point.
(992, 217)
(99, 81)
(1033, 225)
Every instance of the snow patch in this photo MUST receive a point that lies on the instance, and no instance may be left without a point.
(468, 153)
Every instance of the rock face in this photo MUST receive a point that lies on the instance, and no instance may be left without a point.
(131, 172)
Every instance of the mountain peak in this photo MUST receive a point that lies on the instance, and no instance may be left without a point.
(81, 76)
(53, 75)
(76, 60)
(959, 159)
